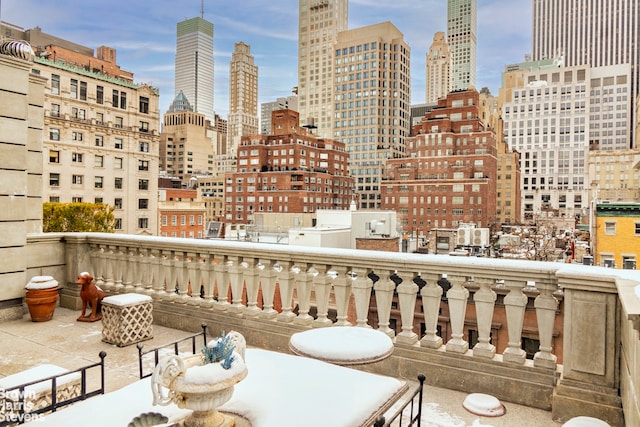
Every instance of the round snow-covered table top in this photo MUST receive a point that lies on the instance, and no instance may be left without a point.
(342, 345)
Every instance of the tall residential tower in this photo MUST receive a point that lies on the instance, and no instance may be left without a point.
(462, 36)
(319, 23)
(194, 64)
(438, 69)
(243, 96)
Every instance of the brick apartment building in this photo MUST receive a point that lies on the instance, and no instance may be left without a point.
(450, 174)
(180, 213)
(287, 171)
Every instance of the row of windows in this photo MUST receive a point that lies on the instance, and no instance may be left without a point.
(183, 220)
(54, 135)
(55, 179)
(78, 90)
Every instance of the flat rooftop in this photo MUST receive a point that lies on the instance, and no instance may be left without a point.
(70, 344)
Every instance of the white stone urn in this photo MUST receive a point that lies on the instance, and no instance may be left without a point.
(199, 386)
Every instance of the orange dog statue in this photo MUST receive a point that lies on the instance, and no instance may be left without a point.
(91, 294)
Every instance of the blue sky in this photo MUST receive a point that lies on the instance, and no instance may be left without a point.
(143, 32)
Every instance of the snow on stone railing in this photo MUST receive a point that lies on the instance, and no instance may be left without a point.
(213, 274)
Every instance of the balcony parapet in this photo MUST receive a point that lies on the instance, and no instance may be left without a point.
(250, 287)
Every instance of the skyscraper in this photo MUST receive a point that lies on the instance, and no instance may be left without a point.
(194, 64)
(319, 23)
(243, 95)
(462, 36)
(595, 33)
(372, 102)
(438, 69)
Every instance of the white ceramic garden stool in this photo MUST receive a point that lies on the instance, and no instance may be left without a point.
(127, 319)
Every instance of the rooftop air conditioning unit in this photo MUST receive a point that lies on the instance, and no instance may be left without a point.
(464, 236)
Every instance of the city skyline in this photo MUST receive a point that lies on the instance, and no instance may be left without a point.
(145, 42)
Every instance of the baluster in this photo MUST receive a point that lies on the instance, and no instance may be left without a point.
(128, 273)
(515, 303)
(207, 275)
(237, 282)
(485, 301)
(119, 266)
(182, 277)
(407, 295)
(546, 305)
(155, 267)
(96, 263)
(222, 281)
(303, 284)
(192, 270)
(457, 297)
(110, 269)
(268, 285)
(322, 284)
(361, 288)
(167, 282)
(285, 282)
(384, 288)
(144, 270)
(431, 298)
(342, 293)
(251, 280)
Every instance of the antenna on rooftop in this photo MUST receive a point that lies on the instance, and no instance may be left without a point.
(202, 9)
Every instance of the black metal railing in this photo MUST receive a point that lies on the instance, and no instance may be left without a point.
(413, 406)
(15, 401)
(174, 346)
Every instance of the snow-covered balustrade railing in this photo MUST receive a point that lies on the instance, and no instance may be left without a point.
(242, 278)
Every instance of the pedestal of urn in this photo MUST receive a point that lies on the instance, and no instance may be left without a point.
(199, 387)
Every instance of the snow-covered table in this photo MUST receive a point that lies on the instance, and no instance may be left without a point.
(280, 390)
(342, 345)
(127, 319)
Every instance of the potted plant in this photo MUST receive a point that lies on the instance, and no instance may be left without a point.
(41, 297)
(202, 382)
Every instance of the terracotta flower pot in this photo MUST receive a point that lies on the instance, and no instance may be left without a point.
(42, 298)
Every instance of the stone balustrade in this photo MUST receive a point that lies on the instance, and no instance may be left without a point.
(268, 292)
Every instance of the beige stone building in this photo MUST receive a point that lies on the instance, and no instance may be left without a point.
(372, 103)
(211, 192)
(186, 142)
(100, 139)
(438, 69)
(243, 96)
(319, 23)
(614, 175)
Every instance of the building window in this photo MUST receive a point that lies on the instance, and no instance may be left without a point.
(55, 110)
(54, 179)
(76, 157)
(98, 161)
(174, 220)
(54, 156)
(76, 179)
(144, 127)
(117, 203)
(76, 199)
(117, 163)
(144, 147)
(74, 89)
(76, 136)
(123, 101)
(119, 122)
(98, 182)
(117, 183)
(143, 203)
(54, 134)
(183, 220)
(115, 98)
(99, 141)
(54, 199)
(118, 224)
(637, 228)
(143, 222)
(143, 165)
(143, 184)
(55, 84)
(118, 144)
(83, 91)
(610, 228)
(144, 105)
(99, 94)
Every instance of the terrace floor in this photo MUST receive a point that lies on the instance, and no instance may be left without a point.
(70, 344)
